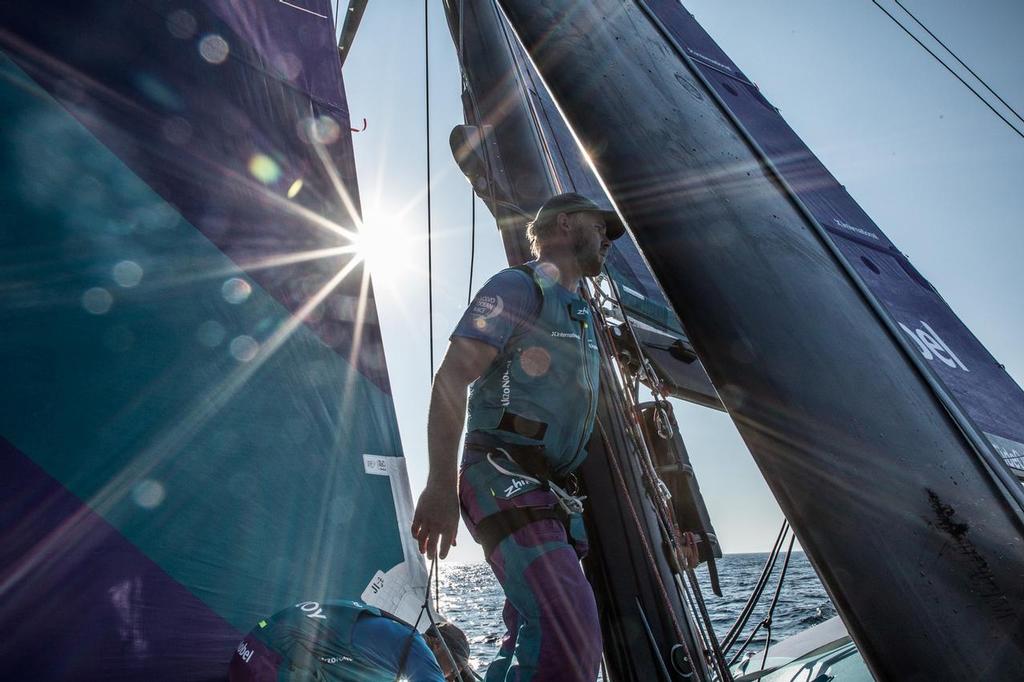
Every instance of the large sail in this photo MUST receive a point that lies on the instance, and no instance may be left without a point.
(196, 426)
(987, 392)
(911, 519)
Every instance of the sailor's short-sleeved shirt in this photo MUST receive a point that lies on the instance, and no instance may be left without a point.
(499, 309)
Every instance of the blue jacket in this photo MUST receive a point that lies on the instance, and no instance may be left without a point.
(339, 640)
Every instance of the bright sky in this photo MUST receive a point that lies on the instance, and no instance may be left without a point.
(941, 175)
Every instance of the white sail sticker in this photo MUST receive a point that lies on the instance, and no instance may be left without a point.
(399, 590)
(378, 464)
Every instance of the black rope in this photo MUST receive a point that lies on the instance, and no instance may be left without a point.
(947, 67)
(425, 609)
(741, 621)
(959, 61)
(437, 590)
(430, 263)
(767, 622)
(472, 241)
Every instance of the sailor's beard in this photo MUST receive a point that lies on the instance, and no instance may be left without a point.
(589, 260)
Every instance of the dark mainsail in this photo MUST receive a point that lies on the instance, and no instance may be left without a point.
(196, 426)
(911, 519)
(990, 396)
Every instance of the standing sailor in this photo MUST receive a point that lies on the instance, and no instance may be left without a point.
(526, 349)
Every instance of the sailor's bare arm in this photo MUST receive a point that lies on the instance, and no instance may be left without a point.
(436, 520)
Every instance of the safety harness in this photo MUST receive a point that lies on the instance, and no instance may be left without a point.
(491, 530)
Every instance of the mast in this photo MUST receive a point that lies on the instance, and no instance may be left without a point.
(912, 522)
(516, 153)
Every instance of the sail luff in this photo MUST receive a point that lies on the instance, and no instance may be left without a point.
(918, 544)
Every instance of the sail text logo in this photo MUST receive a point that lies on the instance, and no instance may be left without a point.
(932, 346)
(311, 609)
(244, 652)
(515, 486)
(506, 385)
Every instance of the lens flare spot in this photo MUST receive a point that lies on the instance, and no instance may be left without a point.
(295, 188)
(176, 130)
(550, 271)
(97, 300)
(288, 64)
(214, 49)
(149, 494)
(210, 333)
(322, 130)
(181, 24)
(236, 290)
(244, 348)
(264, 169)
(157, 91)
(535, 361)
(127, 274)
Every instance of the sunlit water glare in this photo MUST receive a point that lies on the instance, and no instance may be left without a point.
(472, 598)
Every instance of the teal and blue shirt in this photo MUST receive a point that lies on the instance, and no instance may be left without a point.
(542, 387)
(336, 641)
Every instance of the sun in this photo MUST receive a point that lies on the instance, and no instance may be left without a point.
(385, 243)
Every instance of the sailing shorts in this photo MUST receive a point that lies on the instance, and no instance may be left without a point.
(552, 628)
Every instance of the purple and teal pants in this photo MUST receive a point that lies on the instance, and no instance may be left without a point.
(552, 629)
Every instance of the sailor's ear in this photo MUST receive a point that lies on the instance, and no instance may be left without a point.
(564, 222)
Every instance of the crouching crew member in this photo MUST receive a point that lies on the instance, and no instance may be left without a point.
(346, 641)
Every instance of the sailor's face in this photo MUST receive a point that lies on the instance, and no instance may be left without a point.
(590, 242)
(442, 657)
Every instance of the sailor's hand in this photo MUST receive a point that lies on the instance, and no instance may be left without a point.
(436, 521)
(691, 554)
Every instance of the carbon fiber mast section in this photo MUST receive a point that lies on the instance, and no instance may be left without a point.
(505, 152)
(914, 526)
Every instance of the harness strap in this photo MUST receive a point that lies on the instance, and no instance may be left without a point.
(494, 528)
(712, 568)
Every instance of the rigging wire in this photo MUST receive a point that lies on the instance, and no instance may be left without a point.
(741, 621)
(425, 609)
(948, 68)
(426, 107)
(767, 622)
(959, 61)
(472, 190)
(430, 241)
(472, 241)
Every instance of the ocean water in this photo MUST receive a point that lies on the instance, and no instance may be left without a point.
(472, 598)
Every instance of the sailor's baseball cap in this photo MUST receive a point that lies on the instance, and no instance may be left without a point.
(571, 202)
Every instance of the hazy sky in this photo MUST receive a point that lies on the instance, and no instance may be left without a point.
(941, 175)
